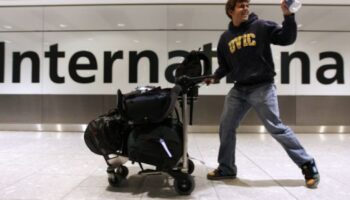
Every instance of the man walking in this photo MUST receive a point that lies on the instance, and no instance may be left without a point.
(244, 53)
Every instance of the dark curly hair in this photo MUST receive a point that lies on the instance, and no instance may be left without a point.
(231, 4)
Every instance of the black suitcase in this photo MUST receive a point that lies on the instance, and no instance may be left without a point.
(160, 145)
(150, 105)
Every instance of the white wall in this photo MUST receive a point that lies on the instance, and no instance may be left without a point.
(127, 28)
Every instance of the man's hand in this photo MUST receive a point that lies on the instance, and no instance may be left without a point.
(209, 81)
(285, 8)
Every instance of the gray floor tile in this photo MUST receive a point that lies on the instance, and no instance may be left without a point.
(44, 165)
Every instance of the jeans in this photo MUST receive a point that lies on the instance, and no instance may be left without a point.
(263, 98)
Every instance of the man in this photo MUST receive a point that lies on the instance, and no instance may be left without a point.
(244, 53)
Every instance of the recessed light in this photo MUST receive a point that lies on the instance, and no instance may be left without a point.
(58, 127)
(179, 24)
(322, 129)
(7, 26)
(39, 127)
(262, 129)
(121, 25)
(300, 25)
(83, 127)
(63, 25)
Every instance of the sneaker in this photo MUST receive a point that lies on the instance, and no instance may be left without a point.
(312, 177)
(218, 175)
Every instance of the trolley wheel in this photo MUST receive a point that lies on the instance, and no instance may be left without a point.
(123, 171)
(190, 166)
(114, 179)
(184, 185)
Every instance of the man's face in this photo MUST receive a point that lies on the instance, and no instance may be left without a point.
(241, 12)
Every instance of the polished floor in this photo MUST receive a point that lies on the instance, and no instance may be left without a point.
(48, 165)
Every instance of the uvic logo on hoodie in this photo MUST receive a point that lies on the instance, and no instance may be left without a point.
(245, 40)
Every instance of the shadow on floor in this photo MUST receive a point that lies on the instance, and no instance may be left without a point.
(161, 186)
(154, 186)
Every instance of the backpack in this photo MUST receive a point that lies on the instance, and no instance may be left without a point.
(192, 66)
(160, 145)
(107, 134)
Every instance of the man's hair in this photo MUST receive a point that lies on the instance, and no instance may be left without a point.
(231, 4)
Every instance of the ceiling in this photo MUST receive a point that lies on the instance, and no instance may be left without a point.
(159, 17)
(86, 2)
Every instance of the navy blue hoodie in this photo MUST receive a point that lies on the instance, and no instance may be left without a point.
(244, 52)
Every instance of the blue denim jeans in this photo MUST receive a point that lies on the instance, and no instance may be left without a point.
(263, 99)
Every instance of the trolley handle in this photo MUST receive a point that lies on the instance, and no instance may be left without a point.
(187, 82)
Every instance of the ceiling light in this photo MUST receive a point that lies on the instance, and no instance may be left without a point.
(179, 24)
(178, 41)
(83, 127)
(7, 26)
(63, 25)
(300, 25)
(39, 127)
(121, 25)
(322, 129)
(262, 129)
(58, 127)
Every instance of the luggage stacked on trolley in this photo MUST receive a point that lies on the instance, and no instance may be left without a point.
(146, 127)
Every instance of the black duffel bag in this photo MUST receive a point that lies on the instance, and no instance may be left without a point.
(150, 105)
(107, 134)
(160, 144)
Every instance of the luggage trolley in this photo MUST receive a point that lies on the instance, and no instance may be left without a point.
(101, 134)
(184, 183)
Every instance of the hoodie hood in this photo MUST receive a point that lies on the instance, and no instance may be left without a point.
(252, 17)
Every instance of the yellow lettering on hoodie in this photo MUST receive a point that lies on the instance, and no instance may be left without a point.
(244, 40)
(239, 42)
(245, 43)
(250, 38)
(232, 46)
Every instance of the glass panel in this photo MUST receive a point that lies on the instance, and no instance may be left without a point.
(122, 17)
(21, 19)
